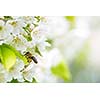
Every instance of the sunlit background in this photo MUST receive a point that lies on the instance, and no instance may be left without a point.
(77, 38)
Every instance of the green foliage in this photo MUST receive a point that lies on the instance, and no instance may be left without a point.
(71, 20)
(62, 71)
(37, 50)
(17, 53)
(7, 56)
(16, 81)
(38, 18)
(8, 18)
(50, 41)
(27, 37)
(28, 30)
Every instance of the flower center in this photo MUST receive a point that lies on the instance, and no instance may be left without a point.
(14, 24)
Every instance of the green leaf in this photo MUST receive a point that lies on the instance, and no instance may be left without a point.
(8, 17)
(17, 53)
(71, 20)
(38, 18)
(7, 56)
(14, 81)
(33, 81)
(37, 50)
(61, 71)
(50, 41)
(27, 37)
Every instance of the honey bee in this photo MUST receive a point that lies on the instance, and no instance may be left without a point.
(30, 57)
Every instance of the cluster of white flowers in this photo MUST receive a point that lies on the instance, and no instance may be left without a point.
(25, 34)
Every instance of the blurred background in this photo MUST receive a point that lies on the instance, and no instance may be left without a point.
(77, 40)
